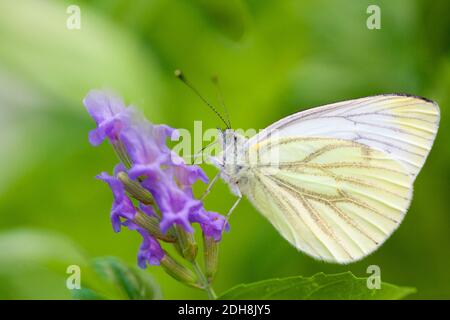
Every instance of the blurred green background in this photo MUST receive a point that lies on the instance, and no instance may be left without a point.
(273, 58)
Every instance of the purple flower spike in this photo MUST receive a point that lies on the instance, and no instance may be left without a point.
(161, 133)
(122, 206)
(146, 159)
(212, 223)
(150, 251)
(144, 153)
(119, 168)
(148, 210)
(188, 175)
(108, 112)
(215, 226)
(176, 206)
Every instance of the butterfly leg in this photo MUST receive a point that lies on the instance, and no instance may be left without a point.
(233, 207)
(210, 185)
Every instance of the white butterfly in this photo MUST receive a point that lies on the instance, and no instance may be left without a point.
(343, 174)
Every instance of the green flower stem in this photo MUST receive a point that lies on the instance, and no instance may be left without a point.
(205, 284)
(187, 248)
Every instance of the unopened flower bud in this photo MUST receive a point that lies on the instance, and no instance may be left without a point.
(178, 271)
(151, 224)
(211, 257)
(185, 245)
(122, 154)
(135, 190)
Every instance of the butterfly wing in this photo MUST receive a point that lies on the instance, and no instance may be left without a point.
(404, 127)
(336, 200)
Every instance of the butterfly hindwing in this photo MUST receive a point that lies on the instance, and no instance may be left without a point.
(336, 200)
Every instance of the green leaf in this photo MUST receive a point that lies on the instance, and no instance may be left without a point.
(128, 282)
(86, 294)
(341, 286)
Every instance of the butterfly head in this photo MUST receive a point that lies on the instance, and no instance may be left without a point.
(232, 142)
(231, 160)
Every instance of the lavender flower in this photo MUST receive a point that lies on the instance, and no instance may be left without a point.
(148, 161)
(123, 213)
(122, 206)
(150, 251)
(108, 112)
(212, 223)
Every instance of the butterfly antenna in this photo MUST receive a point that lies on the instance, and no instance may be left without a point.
(181, 76)
(201, 150)
(215, 81)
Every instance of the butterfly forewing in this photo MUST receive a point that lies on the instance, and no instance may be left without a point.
(402, 126)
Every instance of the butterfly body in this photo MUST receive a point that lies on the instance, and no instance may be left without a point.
(337, 180)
